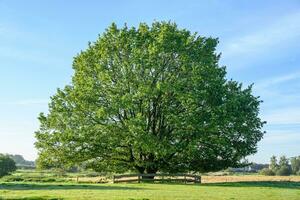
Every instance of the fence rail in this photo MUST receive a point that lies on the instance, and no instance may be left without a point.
(185, 178)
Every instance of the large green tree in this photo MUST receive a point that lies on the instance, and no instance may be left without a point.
(150, 99)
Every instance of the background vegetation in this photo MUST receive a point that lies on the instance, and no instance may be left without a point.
(283, 167)
(7, 165)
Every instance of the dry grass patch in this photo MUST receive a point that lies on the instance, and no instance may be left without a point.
(248, 178)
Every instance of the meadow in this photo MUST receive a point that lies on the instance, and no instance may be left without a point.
(46, 185)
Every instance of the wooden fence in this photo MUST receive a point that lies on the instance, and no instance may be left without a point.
(185, 178)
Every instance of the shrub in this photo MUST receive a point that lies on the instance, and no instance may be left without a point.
(12, 179)
(295, 164)
(30, 179)
(284, 171)
(267, 172)
(7, 165)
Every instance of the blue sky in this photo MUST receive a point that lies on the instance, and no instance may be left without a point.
(259, 41)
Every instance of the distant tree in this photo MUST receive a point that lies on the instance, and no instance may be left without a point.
(283, 161)
(267, 172)
(7, 165)
(283, 171)
(273, 164)
(20, 161)
(284, 168)
(256, 166)
(152, 98)
(295, 164)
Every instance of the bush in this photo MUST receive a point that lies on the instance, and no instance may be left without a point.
(7, 165)
(12, 179)
(30, 179)
(267, 172)
(284, 171)
(295, 164)
(298, 173)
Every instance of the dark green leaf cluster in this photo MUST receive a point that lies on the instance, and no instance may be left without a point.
(7, 165)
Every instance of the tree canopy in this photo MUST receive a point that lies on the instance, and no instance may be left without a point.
(151, 98)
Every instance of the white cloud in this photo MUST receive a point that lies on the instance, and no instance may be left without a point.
(273, 35)
(287, 115)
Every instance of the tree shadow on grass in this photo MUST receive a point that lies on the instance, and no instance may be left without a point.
(270, 184)
(31, 198)
(33, 186)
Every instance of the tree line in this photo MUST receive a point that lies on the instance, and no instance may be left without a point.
(282, 166)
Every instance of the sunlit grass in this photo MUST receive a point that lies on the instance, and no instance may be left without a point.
(216, 191)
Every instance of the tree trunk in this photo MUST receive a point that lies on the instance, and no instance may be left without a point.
(141, 170)
(150, 171)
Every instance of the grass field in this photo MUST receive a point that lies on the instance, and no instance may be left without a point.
(42, 185)
(207, 191)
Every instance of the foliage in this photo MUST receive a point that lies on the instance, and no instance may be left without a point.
(273, 164)
(282, 168)
(267, 172)
(283, 162)
(150, 99)
(284, 171)
(46, 163)
(295, 164)
(7, 165)
(31, 179)
(35, 176)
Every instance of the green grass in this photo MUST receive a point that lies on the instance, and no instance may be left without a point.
(213, 191)
(48, 176)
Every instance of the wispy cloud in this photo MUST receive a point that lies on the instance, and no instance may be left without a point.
(286, 115)
(279, 91)
(281, 106)
(26, 102)
(280, 142)
(266, 83)
(273, 35)
(281, 137)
